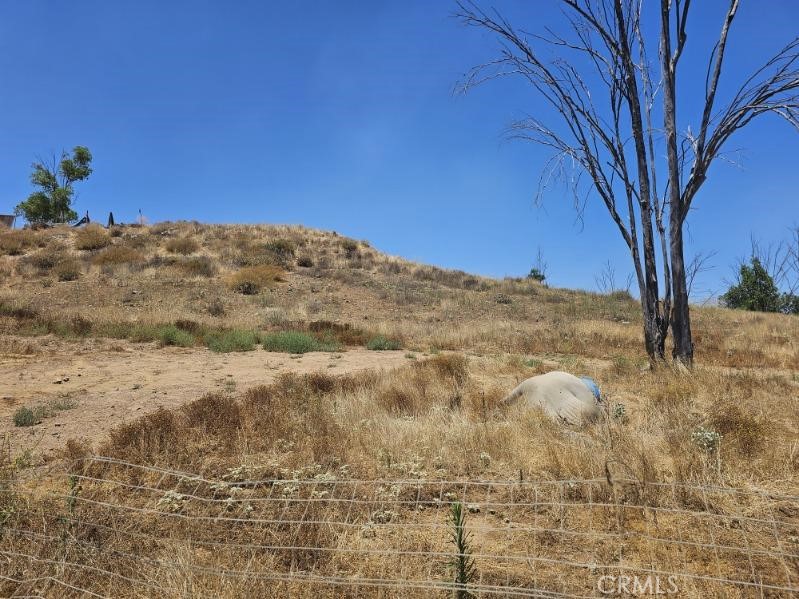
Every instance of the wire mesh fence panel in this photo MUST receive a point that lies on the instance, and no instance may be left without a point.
(120, 529)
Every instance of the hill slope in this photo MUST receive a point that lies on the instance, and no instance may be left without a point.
(319, 478)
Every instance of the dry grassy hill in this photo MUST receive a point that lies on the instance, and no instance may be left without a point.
(175, 507)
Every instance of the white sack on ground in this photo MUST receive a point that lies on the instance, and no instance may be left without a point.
(561, 395)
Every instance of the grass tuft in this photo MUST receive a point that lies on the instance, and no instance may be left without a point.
(25, 416)
(250, 280)
(232, 341)
(381, 343)
(182, 245)
(296, 342)
(92, 237)
(172, 335)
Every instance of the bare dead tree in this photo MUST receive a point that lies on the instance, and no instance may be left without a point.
(699, 263)
(605, 98)
(606, 280)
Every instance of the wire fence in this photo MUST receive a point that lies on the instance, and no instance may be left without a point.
(120, 529)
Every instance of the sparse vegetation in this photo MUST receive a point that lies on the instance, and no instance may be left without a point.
(182, 245)
(431, 419)
(198, 266)
(172, 335)
(25, 416)
(251, 280)
(232, 341)
(68, 269)
(92, 237)
(381, 343)
(16, 242)
(118, 254)
(296, 342)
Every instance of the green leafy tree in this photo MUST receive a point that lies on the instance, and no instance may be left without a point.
(755, 290)
(52, 201)
(789, 303)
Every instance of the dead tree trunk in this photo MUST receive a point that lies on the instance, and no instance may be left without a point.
(597, 121)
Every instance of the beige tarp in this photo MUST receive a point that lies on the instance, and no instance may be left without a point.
(561, 395)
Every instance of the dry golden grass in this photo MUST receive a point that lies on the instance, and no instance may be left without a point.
(252, 279)
(182, 245)
(91, 237)
(434, 420)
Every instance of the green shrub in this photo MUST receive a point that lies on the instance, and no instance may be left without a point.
(755, 290)
(230, 341)
(381, 343)
(24, 416)
(296, 342)
(172, 335)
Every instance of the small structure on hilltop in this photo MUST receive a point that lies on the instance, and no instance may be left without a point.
(84, 221)
(7, 220)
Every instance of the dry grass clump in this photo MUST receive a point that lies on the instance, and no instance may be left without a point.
(278, 252)
(92, 237)
(68, 269)
(344, 333)
(182, 245)
(47, 258)
(251, 280)
(15, 242)
(118, 254)
(197, 266)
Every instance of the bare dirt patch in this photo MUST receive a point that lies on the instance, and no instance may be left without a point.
(111, 383)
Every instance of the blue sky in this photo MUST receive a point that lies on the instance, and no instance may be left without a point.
(340, 115)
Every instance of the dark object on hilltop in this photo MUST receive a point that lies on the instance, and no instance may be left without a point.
(110, 219)
(84, 221)
(52, 203)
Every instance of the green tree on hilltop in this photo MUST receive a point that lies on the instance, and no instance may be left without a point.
(755, 290)
(52, 202)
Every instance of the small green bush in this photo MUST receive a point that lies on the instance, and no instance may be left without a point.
(172, 335)
(381, 343)
(230, 341)
(24, 416)
(296, 342)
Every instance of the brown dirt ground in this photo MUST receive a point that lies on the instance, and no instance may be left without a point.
(112, 382)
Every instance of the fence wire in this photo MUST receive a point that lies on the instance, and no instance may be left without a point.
(118, 529)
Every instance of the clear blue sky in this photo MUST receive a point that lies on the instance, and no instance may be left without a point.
(340, 115)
